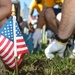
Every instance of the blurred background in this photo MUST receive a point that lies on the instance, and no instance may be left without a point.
(22, 8)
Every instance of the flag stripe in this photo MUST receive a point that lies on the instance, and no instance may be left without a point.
(23, 52)
(8, 48)
(22, 49)
(21, 46)
(20, 40)
(6, 57)
(20, 43)
(2, 41)
(11, 58)
(5, 47)
(12, 64)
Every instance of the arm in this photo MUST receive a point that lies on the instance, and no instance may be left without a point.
(32, 7)
(41, 19)
(5, 8)
(30, 15)
(31, 29)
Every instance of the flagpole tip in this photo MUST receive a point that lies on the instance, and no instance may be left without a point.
(13, 9)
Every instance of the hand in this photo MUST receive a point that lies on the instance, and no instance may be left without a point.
(36, 37)
(55, 47)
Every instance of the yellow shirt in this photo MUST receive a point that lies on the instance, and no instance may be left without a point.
(59, 1)
(34, 5)
(50, 3)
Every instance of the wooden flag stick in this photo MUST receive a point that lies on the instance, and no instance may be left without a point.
(16, 65)
(15, 49)
(14, 30)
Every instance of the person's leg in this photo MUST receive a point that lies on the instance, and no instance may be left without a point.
(51, 21)
(49, 36)
(53, 24)
(41, 19)
(67, 25)
(68, 19)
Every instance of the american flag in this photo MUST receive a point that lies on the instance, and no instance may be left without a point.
(7, 44)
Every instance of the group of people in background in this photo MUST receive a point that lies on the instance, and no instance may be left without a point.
(44, 8)
(47, 17)
(52, 22)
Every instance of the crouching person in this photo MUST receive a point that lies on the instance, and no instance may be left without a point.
(66, 28)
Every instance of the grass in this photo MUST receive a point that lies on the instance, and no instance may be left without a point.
(38, 64)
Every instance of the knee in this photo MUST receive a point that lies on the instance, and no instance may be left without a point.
(49, 13)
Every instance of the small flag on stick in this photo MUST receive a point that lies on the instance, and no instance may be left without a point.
(7, 44)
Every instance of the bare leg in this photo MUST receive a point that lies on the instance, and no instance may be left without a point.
(68, 19)
(47, 16)
(41, 19)
(51, 21)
